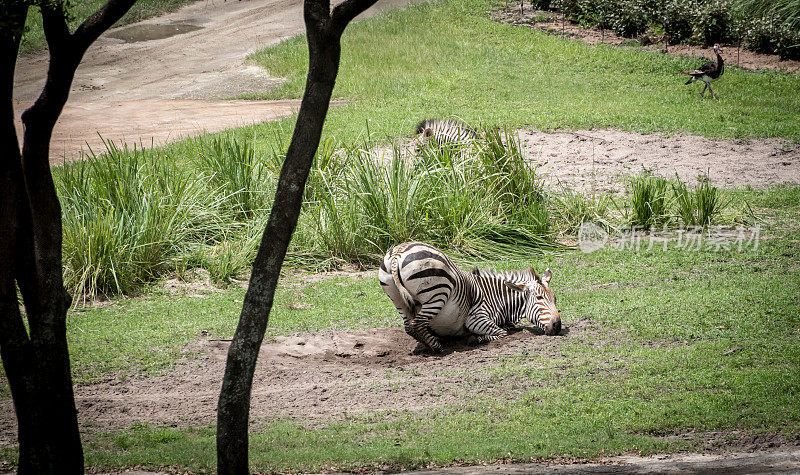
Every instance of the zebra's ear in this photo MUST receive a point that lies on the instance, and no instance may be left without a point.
(428, 132)
(546, 276)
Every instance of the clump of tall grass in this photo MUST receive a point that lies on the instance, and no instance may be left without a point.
(231, 255)
(391, 196)
(515, 181)
(242, 180)
(649, 200)
(127, 216)
(697, 208)
(479, 202)
(131, 215)
(571, 209)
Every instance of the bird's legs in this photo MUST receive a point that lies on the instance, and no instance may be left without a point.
(704, 89)
(712, 92)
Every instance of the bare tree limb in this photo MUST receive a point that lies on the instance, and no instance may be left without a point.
(346, 11)
(100, 21)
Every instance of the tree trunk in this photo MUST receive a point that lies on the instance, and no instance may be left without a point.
(323, 31)
(36, 360)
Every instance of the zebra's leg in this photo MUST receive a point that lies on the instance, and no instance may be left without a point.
(425, 335)
(483, 328)
(408, 326)
(411, 329)
(422, 323)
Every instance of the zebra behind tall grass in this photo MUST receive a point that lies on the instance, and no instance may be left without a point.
(444, 132)
(435, 298)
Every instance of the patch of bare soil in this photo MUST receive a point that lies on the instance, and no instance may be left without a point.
(315, 378)
(551, 22)
(596, 159)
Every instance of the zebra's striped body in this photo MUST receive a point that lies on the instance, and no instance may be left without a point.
(436, 298)
(446, 131)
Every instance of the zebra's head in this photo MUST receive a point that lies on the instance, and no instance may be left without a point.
(540, 302)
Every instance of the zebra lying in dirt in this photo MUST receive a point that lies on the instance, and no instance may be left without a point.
(444, 132)
(436, 298)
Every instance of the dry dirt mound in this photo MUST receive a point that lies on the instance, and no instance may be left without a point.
(597, 159)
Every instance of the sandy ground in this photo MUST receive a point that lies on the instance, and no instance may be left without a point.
(598, 159)
(165, 89)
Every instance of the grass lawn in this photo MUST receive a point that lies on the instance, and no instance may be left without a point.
(448, 58)
(689, 340)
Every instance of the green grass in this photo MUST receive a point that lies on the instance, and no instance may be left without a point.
(395, 71)
(686, 341)
(33, 39)
(659, 363)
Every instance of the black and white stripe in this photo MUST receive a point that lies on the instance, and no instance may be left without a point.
(435, 298)
(444, 132)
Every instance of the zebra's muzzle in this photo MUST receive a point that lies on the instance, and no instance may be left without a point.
(554, 328)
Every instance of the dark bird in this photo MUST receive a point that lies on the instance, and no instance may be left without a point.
(708, 72)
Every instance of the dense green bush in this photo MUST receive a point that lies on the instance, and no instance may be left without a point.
(769, 34)
(630, 18)
(766, 28)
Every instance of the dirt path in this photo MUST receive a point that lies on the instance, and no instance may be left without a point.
(312, 378)
(165, 89)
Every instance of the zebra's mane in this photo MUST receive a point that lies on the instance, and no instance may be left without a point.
(525, 275)
(426, 123)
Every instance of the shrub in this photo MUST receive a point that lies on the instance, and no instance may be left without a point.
(713, 23)
(767, 26)
(769, 34)
(629, 18)
(677, 19)
(649, 203)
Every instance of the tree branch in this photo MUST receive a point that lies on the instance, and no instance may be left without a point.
(317, 13)
(344, 13)
(54, 24)
(100, 21)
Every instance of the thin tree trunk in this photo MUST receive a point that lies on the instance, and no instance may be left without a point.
(323, 31)
(36, 360)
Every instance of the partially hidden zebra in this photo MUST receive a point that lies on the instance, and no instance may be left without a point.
(435, 298)
(444, 132)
